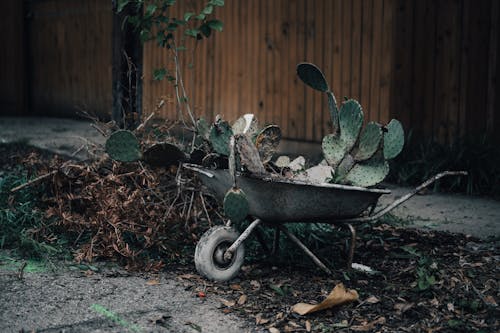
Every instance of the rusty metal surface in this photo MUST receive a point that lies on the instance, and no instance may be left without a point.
(275, 200)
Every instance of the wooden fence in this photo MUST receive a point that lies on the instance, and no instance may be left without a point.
(431, 63)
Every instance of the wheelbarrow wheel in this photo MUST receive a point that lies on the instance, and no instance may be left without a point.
(209, 254)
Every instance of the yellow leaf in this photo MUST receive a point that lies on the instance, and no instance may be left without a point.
(338, 296)
(227, 303)
(242, 299)
(153, 282)
(308, 326)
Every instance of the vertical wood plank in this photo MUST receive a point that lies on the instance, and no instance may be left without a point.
(386, 61)
(376, 61)
(366, 55)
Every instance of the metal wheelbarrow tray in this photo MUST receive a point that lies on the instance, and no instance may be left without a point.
(276, 201)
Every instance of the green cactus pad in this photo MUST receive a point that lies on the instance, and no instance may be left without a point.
(312, 76)
(350, 121)
(334, 149)
(203, 128)
(246, 125)
(368, 173)
(249, 155)
(334, 111)
(369, 141)
(235, 205)
(220, 133)
(343, 169)
(163, 155)
(394, 139)
(267, 142)
(123, 146)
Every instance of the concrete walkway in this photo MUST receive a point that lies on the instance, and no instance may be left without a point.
(476, 216)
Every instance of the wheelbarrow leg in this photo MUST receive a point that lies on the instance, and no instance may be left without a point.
(230, 251)
(352, 245)
(276, 241)
(305, 249)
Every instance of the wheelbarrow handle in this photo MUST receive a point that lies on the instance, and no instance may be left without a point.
(404, 198)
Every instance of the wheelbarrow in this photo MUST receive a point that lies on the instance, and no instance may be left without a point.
(274, 202)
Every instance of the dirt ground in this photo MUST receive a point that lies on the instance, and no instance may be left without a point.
(423, 280)
(103, 299)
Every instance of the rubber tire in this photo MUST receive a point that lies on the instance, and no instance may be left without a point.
(207, 246)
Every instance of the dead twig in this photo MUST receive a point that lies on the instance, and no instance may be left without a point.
(20, 273)
(33, 181)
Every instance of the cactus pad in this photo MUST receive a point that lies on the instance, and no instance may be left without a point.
(369, 141)
(312, 76)
(163, 155)
(246, 125)
(123, 146)
(334, 112)
(343, 169)
(394, 139)
(220, 133)
(249, 155)
(235, 205)
(368, 173)
(334, 149)
(350, 121)
(267, 142)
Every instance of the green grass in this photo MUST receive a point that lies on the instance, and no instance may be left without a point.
(22, 221)
(479, 156)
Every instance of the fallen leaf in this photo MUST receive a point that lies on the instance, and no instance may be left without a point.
(201, 294)
(235, 287)
(450, 307)
(402, 307)
(259, 320)
(490, 300)
(372, 300)
(368, 326)
(242, 299)
(435, 302)
(338, 296)
(226, 302)
(273, 330)
(308, 326)
(153, 282)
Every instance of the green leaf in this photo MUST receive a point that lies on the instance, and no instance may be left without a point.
(150, 9)
(181, 48)
(215, 25)
(145, 35)
(218, 3)
(192, 32)
(121, 5)
(159, 74)
(200, 17)
(188, 15)
(205, 30)
(208, 10)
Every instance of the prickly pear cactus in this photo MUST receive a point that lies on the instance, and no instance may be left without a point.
(369, 141)
(220, 133)
(368, 173)
(394, 139)
(247, 124)
(123, 146)
(267, 142)
(311, 75)
(235, 205)
(350, 120)
(249, 155)
(343, 169)
(334, 149)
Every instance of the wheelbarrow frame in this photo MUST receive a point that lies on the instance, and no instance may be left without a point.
(276, 201)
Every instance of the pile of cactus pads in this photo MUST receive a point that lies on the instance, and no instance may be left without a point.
(353, 154)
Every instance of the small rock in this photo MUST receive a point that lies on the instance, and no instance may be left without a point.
(297, 164)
